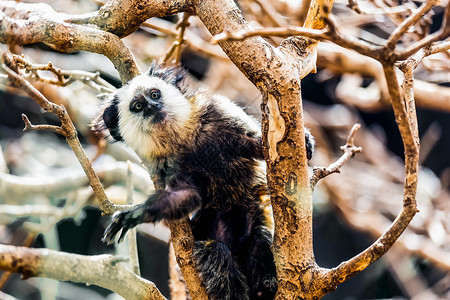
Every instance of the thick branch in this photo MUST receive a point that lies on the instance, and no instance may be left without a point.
(48, 27)
(123, 17)
(183, 244)
(77, 268)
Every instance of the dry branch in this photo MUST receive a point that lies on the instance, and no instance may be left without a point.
(132, 239)
(66, 129)
(18, 187)
(49, 27)
(349, 150)
(408, 22)
(341, 61)
(64, 77)
(77, 268)
(183, 245)
(175, 48)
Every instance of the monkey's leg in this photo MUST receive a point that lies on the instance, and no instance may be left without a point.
(169, 204)
(219, 271)
(259, 264)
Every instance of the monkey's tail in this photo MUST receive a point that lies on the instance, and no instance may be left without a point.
(219, 271)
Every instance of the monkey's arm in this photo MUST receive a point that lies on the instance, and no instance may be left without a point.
(176, 201)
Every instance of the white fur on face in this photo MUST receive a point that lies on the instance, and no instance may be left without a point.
(146, 138)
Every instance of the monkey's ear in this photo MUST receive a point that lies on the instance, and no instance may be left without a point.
(172, 75)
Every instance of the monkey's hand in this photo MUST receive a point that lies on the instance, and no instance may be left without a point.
(125, 219)
(176, 201)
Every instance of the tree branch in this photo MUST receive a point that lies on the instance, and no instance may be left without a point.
(64, 77)
(123, 17)
(49, 27)
(16, 187)
(408, 22)
(77, 268)
(349, 150)
(407, 123)
(67, 129)
(175, 48)
(442, 34)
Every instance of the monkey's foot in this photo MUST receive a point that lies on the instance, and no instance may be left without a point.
(123, 220)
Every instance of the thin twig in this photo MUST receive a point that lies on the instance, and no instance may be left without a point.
(349, 150)
(31, 127)
(407, 23)
(175, 49)
(64, 77)
(441, 34)
(330, 33)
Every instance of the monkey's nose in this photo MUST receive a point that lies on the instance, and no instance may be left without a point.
(152, 108)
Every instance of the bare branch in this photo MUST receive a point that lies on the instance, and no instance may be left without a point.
(64, 77)
(329, 33)
(67, 129)
(445, 46)
(175, 48)
(16, 187)
(77, 268)
(407, 123)
(194, 41)
(341, 61)
(349, 150)
(407, 23)
(441, 34)
(132, 240)
(31, 127)
(183, 244)
(123, 17)
(48, 26)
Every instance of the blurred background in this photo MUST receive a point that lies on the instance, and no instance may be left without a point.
(45, 200)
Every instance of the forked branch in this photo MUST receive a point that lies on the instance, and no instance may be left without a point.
(349, 150)
(67, 129)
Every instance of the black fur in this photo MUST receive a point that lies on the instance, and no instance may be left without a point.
(172, 75)
(215, 174)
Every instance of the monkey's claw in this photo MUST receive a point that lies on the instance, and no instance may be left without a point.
(122, 220)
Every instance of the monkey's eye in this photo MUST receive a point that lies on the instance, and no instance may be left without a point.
(155, 94)
(137, 106)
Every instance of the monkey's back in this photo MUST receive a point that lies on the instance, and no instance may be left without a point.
(224, 155)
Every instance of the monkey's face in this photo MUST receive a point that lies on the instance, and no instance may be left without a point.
(144, 111)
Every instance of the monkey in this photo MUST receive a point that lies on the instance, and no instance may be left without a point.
(206, 154)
